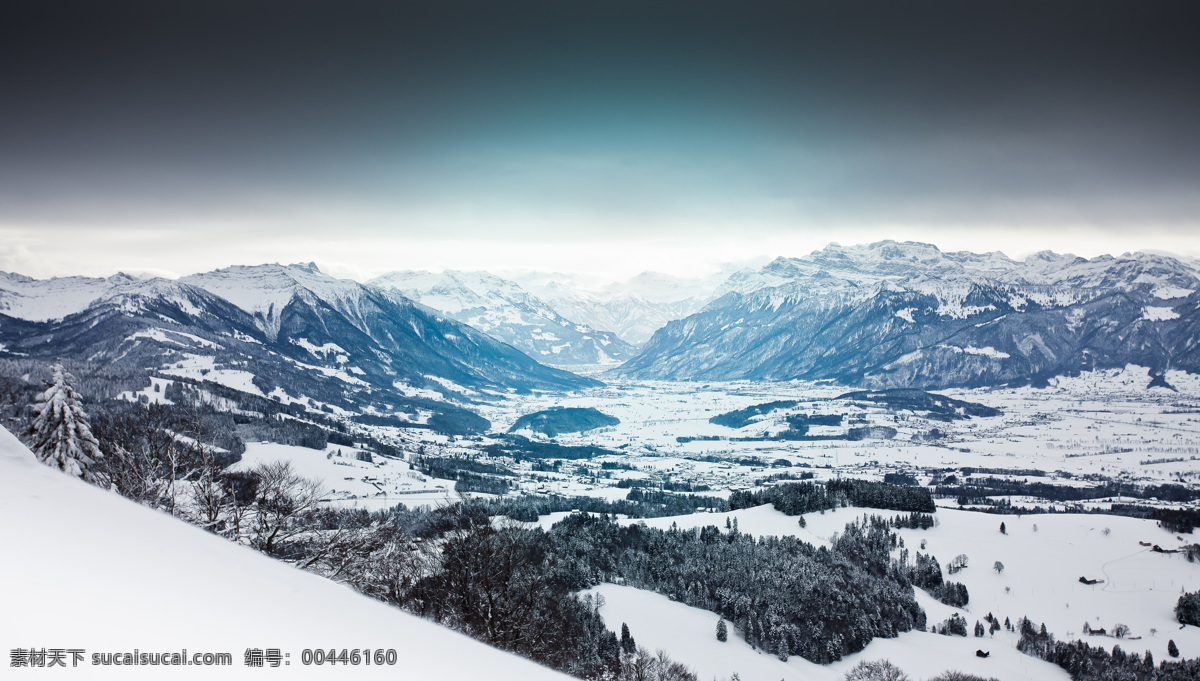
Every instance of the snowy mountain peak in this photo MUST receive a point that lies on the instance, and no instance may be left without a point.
(264, 291)
(507, 312)
(924, 267)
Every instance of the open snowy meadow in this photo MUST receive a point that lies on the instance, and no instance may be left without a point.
(1040, 580)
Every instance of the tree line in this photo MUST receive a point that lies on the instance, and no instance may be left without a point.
(1085, 663)
(807, 497)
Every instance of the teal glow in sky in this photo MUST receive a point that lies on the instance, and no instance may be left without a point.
(594, 137)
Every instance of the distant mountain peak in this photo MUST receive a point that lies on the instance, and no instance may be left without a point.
(310, 267)
(506, 311)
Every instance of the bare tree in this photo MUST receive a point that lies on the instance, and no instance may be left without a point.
(284, 498)
(879, 670)
(144, 456)
(646, 666)
(395, 565)
(342, 542)
(210, 498)
(241, 489)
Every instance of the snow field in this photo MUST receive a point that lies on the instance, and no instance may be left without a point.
(688, 635)
(203, 368)
(1042, 570)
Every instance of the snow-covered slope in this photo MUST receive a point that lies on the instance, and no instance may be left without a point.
(502, 309)
(908, 315)
(86, 569)
(1043, 555)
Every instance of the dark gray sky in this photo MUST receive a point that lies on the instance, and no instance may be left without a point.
(589, 135)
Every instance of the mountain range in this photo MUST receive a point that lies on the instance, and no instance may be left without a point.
(289, 332)
(507, 312)
(894, 314)
(882, 315)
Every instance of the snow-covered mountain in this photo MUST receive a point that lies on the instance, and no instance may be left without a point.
(634, 309)
(507, 312)
(41, 300)
(166, 585)
(288, 332)
(908, 315)
(633, 318)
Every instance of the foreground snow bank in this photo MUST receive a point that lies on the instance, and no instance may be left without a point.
(86, 569)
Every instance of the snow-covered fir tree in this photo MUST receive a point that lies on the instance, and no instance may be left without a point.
(62, 436)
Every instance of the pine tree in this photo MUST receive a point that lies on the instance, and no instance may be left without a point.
(1003, 530)
(1187, 609)
(61, 433)
(627, 643)
(722, 631)
(1172, 649)
(781, 646)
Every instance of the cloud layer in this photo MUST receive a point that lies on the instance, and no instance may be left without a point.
(176, 134)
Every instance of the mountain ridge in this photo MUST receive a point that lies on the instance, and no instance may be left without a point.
(507, 312)
(289, 332)
(893, 314)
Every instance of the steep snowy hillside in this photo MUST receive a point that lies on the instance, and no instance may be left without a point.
(907, 315)
(504, 310)
(86, 569)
